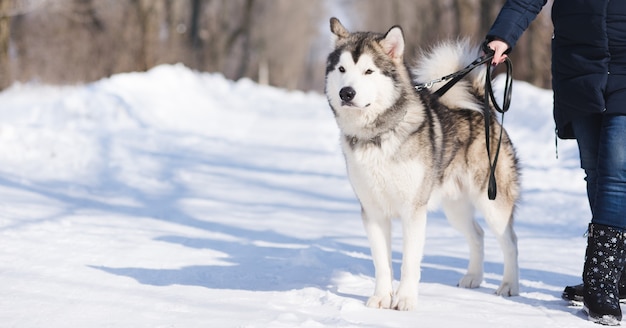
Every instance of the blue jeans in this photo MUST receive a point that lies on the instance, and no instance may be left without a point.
(602, 145)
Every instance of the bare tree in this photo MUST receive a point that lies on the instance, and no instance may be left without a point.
(279, 42)
(468, 13)
(147, 15)
(225, 34)
(5, 23)
(244, 33)
(217, 34)
(194, 24)
(284, 42)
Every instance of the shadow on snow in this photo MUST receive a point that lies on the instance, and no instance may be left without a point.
(259, 260)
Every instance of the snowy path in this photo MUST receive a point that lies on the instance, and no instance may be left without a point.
(177, 199)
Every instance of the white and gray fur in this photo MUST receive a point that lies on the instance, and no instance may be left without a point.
(408, 151)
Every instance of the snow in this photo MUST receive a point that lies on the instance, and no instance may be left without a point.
(174, 198)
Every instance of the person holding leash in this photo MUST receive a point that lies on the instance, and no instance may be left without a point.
(589, 84)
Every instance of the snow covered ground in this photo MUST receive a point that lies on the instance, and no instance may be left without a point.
(178, 199)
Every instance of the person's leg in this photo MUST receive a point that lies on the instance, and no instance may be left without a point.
(609, 207)
(602, 146)
(603, 137)
(587, 131)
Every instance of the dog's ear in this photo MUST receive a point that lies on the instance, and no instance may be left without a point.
(338, 29)
(393, 43)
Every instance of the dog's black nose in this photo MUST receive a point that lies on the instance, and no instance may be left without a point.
(347, 93)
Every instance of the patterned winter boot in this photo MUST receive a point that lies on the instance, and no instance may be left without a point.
(574, 293)
(604, 262)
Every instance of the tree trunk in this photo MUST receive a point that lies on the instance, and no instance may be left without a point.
(5, 36)
(146, 12)
(467, 17)
(244, 32)
(194, 26)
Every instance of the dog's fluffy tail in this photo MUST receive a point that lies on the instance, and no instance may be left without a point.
(449, 57)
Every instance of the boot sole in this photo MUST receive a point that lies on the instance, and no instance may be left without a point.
(606, 320)
(580, 303)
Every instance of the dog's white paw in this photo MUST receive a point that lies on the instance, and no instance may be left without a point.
(471, 281)
(405, 303)
(508, 289)
(406, 298)
(379, 301)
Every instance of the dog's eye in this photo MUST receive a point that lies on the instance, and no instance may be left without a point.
(342, 69)
(368, 72)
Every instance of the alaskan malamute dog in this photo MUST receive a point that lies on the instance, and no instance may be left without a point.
(408, 150)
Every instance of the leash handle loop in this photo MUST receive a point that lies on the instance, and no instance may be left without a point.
(492, 188)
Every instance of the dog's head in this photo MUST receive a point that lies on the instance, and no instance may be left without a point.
(364, 72)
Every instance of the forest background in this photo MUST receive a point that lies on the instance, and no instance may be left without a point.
(283, 43)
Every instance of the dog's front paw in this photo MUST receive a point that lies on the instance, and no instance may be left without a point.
(471, 281)
(406, 303)
(406, 299)
(508, 289)
(379, 301)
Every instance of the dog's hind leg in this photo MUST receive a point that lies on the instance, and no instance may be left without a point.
(460, 214)
(378, 229)
(499, 215)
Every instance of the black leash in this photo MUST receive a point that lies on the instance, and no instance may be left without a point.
(455, 77)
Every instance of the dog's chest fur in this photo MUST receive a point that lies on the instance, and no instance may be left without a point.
(381, 174)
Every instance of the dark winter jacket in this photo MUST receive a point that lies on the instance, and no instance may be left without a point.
(588, 54)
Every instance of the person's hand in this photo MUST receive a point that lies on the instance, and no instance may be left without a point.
(499, 47)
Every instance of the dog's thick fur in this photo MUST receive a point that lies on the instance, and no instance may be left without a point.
(408, 149)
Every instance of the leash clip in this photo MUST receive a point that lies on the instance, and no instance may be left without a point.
(427, 85)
